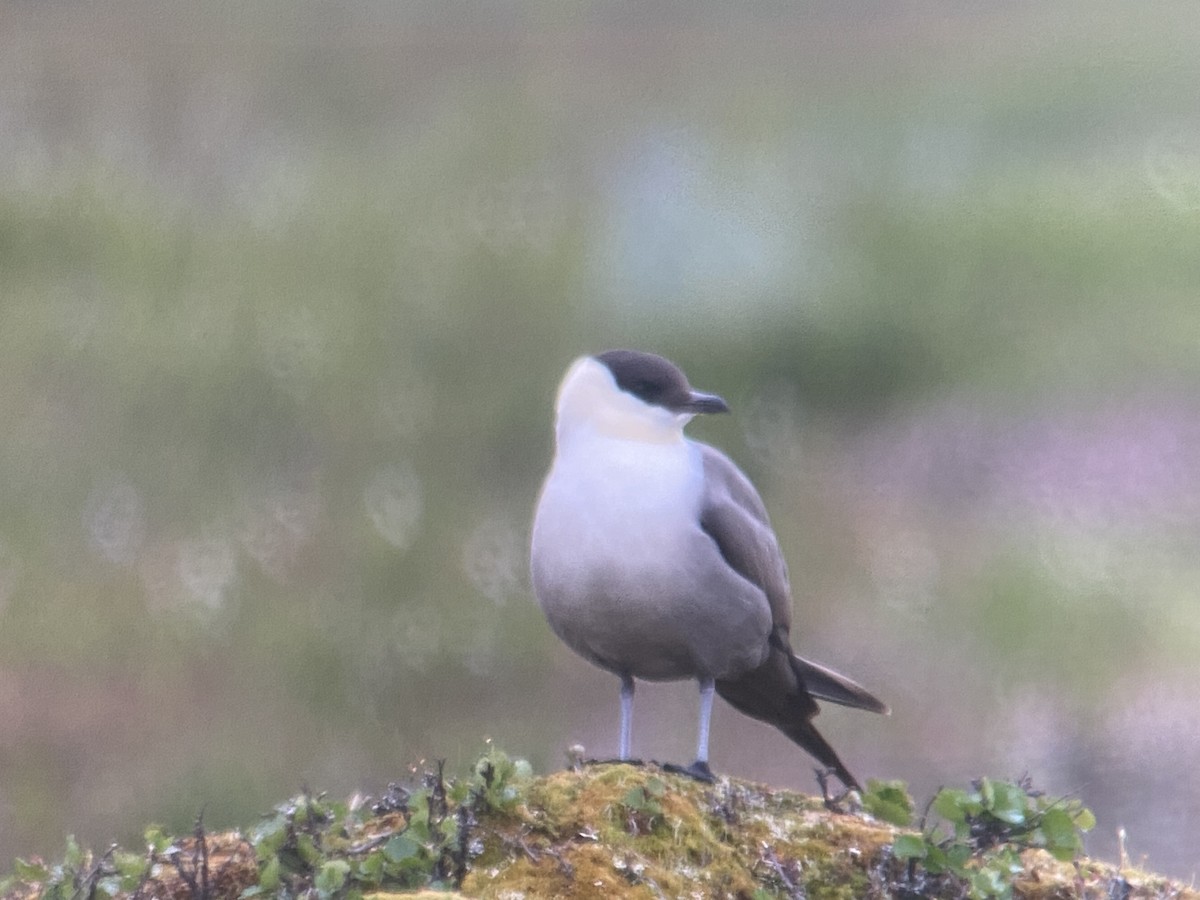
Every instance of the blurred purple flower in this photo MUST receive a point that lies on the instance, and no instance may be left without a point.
(1132, 463)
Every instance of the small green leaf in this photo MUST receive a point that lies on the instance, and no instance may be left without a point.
(936, 860)
(889, 801)
(655, 787)
(74, 857)
(30, 871)
(268, 875)
(307, 848)
(370, 869)
(1008, 860)
(332, 877)
(956, 856)
(418, 825)
(910, 846)
(1061, 837)
(268, 836)
(1010, 816)
(448, 831)
(1010, 803)
(401, 847)
(987, 795)
(156, 838)
(129, 865)
(987, 882)
(1085, 819)
(951, 804)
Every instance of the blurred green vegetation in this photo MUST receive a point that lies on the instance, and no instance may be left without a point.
(286, 293)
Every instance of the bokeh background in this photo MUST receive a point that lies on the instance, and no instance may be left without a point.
(287, 289)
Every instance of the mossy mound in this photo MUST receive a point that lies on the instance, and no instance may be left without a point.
(596, 831)
(641, 832)
(631, 831)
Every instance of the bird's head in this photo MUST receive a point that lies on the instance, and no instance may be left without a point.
(632, 395)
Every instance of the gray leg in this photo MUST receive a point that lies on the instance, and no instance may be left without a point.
(699, 769)
(626, 716)
(706, 700)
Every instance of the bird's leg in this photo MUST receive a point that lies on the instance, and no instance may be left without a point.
(626, 716)
(706, 699)
(700, 767)
(626, 727)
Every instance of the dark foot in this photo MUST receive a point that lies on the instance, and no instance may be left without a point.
(613, 762)
(836, 802)
(698, 770)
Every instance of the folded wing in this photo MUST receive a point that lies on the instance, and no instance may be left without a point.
(781, 691)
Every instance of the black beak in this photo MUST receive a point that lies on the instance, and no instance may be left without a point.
(699, 402)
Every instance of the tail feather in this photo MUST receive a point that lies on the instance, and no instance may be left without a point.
(781, 692)
(826, 684)
(804, 733)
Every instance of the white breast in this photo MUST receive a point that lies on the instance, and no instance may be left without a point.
(617, 507)
(626, 576)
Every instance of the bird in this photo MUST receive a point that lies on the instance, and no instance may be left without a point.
(652, 556)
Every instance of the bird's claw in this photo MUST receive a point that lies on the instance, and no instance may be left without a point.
(836, 802)
(698, 770)
(615, 761)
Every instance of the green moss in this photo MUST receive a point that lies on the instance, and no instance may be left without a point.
(606, 830)
(648, 833)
